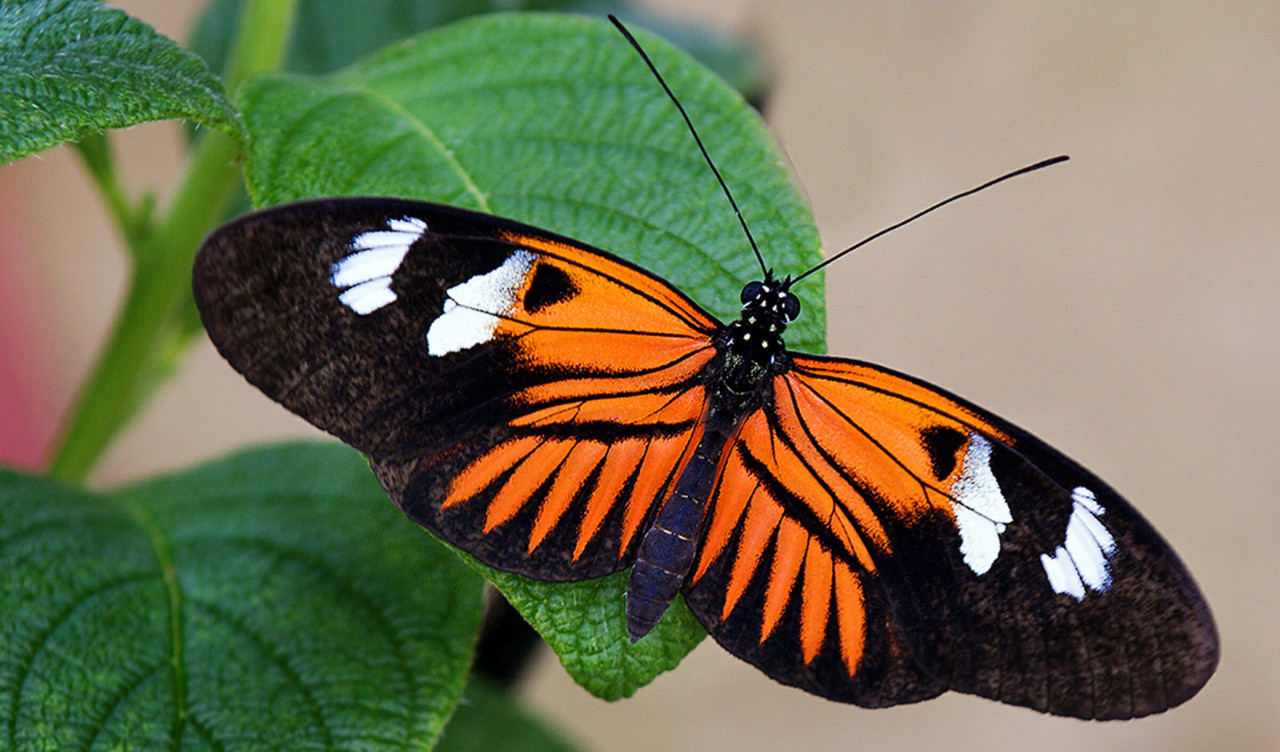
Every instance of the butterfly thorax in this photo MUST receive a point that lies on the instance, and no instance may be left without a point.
(752, 346)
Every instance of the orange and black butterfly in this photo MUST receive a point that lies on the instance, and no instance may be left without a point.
(563, 414)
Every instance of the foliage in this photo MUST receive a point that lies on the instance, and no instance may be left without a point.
(275, 599)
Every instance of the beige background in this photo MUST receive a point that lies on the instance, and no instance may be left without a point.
(1122, 306)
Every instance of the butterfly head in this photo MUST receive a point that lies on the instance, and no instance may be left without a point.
(767, 307)
(770, 300)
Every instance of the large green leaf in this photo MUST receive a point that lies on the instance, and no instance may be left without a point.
(271, 601)
(71, 68)
(554, 121)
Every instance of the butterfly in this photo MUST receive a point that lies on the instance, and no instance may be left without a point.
(561, 413)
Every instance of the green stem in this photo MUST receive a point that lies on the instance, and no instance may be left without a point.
(132, 222)
(136, 353)
(261, 40)
(112, 394)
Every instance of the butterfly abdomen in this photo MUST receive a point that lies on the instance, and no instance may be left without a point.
(671, 542)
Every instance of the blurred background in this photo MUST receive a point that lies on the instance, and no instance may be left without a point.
(1122, 306)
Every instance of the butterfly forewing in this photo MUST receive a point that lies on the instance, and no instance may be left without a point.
(978, 558)
(464, 355)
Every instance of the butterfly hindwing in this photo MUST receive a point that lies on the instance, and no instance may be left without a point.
(793, 590)
(463, 354)
(896, 541)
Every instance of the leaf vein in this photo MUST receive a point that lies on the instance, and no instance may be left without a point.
(27, 657)
(281, 661)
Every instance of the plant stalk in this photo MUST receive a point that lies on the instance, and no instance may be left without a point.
(140, 345)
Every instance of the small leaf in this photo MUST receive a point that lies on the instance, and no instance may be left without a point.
(71, 68)
(554, 121)
(489, 720)
(733, 58)
(330, 34)
(273, 600)
(585, 624)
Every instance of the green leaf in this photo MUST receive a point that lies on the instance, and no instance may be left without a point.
(490, 720)
(585, 624)
(331, 34)
(554, 121)
(273, 600)
(71, 68)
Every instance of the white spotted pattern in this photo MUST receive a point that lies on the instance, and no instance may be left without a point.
(981, 510)
(1080, 564)
(366, 274)
(473, 309)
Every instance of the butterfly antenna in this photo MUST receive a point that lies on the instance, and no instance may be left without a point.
(654, 69)
(939, 205)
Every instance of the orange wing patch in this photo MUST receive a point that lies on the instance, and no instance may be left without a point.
(773, 550)
(631, 318)
(621, 294)
(552, 470)
(575, 472)
(529, 474)
(793, 548)
(815, 608)
(569, 309)
(654, 398)
(850, 617)
(880, 423)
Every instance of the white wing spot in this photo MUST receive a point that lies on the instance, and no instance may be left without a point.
(368, 297)
(366, 274)
(980, 509)
(1081, 562)
(473, 309)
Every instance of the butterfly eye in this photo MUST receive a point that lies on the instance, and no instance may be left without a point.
(791, 307)
(751, 291)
